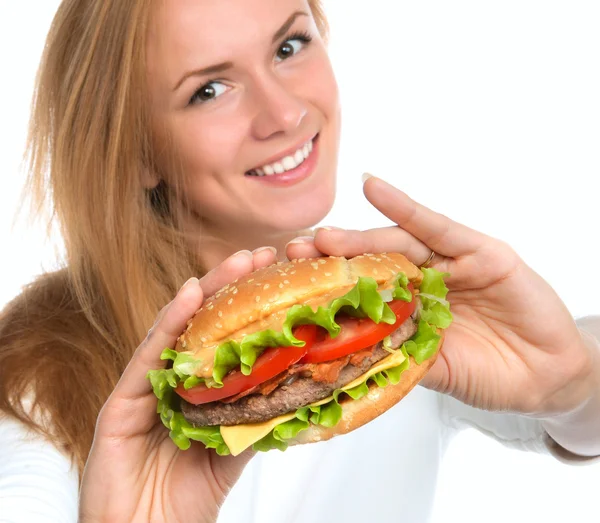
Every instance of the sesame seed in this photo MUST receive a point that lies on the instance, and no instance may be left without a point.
(218, 325)
(328, 274)
(251, 318)
(235, 291)
(251, 280)
(229, 301)
(293, 272)
(315, 266)
(378, 259)
(375, 271)
(322, 261)
(314, 280)
(184, 344)
(281, 285)
(220, 314)
(300, 260)
(266, 287)
(203, 339)
(257, 299)
(286, 282)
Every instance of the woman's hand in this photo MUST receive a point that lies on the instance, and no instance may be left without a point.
(513, 345)
(134, 471)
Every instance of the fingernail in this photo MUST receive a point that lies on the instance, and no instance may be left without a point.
(328, 228)
(261, 249)
(302, 239)
(244, 252)
(191, 281)
(366, 176)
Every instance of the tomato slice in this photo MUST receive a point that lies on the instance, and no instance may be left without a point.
(269, 364)
(356, 334)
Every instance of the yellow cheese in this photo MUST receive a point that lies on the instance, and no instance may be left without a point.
(239, 437)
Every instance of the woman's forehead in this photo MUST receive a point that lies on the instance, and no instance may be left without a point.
(197, 33)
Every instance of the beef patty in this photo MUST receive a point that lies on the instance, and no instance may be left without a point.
(291, 394)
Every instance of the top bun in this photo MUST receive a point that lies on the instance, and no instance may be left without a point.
(262, 298)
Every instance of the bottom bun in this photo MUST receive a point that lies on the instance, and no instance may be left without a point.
(356, 413)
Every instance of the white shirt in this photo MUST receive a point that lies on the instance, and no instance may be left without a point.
(385, 471)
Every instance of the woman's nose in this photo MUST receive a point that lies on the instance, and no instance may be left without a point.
(277, 109)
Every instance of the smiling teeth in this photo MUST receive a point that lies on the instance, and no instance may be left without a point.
(285, 164)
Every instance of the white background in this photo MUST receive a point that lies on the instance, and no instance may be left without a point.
(486, 111)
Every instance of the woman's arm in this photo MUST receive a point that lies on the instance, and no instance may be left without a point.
(37, 482)
(576, 434)
(522, 432)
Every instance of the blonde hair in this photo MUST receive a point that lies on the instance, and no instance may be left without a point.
(66, 339)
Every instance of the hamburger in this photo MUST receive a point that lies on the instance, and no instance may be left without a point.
(301, 351)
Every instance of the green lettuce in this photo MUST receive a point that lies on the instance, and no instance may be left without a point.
(182, 431)
(433, 292)
(363, 300)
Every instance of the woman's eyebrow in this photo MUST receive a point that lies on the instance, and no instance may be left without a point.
(288, 23)
(219, 68)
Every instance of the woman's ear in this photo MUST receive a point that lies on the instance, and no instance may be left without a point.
(149, 179)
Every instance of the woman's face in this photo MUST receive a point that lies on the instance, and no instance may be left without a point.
(246, 92)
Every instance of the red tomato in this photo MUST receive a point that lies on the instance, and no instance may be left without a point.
(356, 334)
(269, 364)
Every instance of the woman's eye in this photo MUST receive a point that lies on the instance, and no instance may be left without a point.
(208, 92)
(290, 48)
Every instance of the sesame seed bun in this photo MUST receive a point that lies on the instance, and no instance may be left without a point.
(260, 300)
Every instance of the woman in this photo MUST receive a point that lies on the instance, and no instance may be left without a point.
(153, 173)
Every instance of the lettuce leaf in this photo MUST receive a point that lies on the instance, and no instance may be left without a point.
(182, 431)
(363, 300)
(433, 292)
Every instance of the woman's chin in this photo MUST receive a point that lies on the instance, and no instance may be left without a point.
(301, 215)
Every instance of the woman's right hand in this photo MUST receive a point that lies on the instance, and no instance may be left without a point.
(134, 471)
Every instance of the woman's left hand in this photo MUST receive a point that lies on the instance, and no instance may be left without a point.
(513, 345)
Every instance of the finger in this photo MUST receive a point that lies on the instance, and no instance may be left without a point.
(348, 243)
(171, 322)
(435, 230)
(302, 247)
(264, 257)
(236, 266)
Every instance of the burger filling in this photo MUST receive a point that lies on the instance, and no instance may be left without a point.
(300, 385)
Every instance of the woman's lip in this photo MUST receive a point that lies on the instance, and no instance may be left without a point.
(290, 152)
(303, 171)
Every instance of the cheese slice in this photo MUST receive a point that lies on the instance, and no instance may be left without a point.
(239, 437)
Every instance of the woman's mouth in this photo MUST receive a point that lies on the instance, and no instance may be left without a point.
(289, 169)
